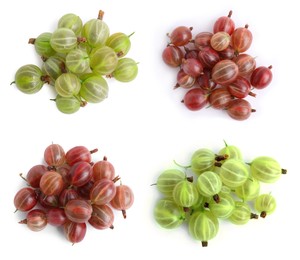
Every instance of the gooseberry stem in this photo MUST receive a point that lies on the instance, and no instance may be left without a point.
(253, 216)
(185, 167)
(100, 15)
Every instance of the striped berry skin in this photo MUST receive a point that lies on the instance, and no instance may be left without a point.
(78, 154)
(126, 70)
(220, 41)
(241, 213)
(168, 214)
(172, 56)
(224, 72)
(203, 226)
(266, 169)
(234, 173)
(78, 210)
(246, 64)
(261, 77)
(265, 204)
(181, 35)
(102, 217)
(249, 190)
(241, 39)
(52, 183)
(54, 155)
(94, 89)
(28, 79)
(103, 191)
(185, 194)
(96, 31)
(168, 179)
(209, 184)
(220, 98)
(42, 45)
(103, 60)
(80, 174)
(123, 199)
(202, 160)
(224, 208)
(63, 40)
(67, 85)
(25, 199)
(120, 42)
(74, 232)
(239, 109)
(224, 24)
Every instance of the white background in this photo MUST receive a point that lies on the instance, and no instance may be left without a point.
(142, 127)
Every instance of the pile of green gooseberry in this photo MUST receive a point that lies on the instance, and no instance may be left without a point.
(76, 58)
(215, 186)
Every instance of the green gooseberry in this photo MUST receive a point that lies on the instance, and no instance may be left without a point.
(224, 208)
(29, 79)
(167, 180)
(209, 184)
(265, 204)
(67, 85)
(94, 88)
(103, 60)
(234, 173)
(241, 213)
(68, 105)
(42, 45)
(168, 214)
(185, 194)
(266, 169)
(70, 21)
(203, 226)
(249, 190)
(120, 42)
(126, 70)
(202, 160)
(96, 31)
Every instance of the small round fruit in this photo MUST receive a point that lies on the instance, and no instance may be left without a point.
(120, 42)
(266, 169)
(78, 210)
(29, 79)
(265, 204)
(234, 173)
(126, 70)
(172, 56)
(167, 180)
(63, 40)
(195, 99)
(239, 109)
(241, 213)
(25, 199)
(185, 194)
(224, 72)
(261, 77)
(123, 198)
(168, 214)
(74, 232)
(36, 220)
(203, 226)
(181, 35)
(67, 84)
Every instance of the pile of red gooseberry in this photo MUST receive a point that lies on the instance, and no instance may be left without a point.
(69, 191)
(215, 69)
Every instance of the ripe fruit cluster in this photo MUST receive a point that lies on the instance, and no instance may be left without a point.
(214, 188)
(76, 58)
(69, 191)
(215, 69)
